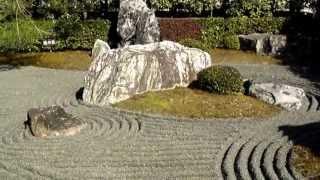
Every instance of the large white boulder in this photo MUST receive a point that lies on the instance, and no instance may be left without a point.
(288, 97)
(118, 74)
(137, 24)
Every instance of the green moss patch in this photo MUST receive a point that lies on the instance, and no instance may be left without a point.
(185, 102)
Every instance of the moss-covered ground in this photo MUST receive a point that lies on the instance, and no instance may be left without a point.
(185, 102)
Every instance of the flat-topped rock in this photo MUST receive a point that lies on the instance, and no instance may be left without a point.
(118, 74)
(288, 97)
(53, 121)
(264, 43)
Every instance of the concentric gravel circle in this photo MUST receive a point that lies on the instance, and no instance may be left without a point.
(117, 144)
(257, 159)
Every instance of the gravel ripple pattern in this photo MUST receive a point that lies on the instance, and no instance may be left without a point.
(118, 144)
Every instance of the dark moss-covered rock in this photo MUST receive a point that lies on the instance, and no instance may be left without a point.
(53, 121)
(220, 79)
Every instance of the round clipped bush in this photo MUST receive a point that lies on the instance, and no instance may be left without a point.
(220, 79)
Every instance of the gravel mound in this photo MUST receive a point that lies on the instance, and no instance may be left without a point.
(126, 145)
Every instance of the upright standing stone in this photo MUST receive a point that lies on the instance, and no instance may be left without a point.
(118, 74)
(137, 24)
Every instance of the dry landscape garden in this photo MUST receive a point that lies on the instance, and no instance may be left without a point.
(159, 89)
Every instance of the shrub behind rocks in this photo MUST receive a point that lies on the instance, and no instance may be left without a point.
(193, 43)
(231, 42)
(220, 79)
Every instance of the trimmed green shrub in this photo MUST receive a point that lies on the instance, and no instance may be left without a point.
(213, 31)
(84, 36)
(231, 42)
(193, 43)
(220, 79)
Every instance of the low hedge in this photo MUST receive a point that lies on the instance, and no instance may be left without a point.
(215, 30)
(31, 34)
(218, 31)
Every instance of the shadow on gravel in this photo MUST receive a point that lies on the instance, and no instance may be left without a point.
(303, 39)
(305, 135)
(7, 67)
(79, 94)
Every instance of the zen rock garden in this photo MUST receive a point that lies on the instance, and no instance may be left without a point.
(75, 126)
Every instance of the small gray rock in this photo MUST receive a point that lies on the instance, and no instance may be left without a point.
(288, 97)
(137, 24)
(53, 121)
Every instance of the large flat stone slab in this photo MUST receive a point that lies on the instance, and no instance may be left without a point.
(53, 121)
(264, 43)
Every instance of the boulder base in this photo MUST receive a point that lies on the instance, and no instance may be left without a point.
(53, 121)
(118, 74)
(288, 97)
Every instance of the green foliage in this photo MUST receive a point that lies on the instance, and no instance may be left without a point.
(12, 9)
(194, 6)
(28, 35)
(67, 25)
(231, 42)
(86, 35)
(23, 36)
(250, 8)
(220, 79)
(216, 29)
(47, 8)
(213, 31)
(193, 43)
(245, 25)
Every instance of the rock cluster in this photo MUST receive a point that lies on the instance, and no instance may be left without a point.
(264, 44)
(118, 74)
(288, 97)
(53, 121)
(137, 24)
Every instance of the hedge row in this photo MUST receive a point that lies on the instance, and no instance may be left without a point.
(28, 36)
(216, 29)
(218, 32)
(70, 33)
